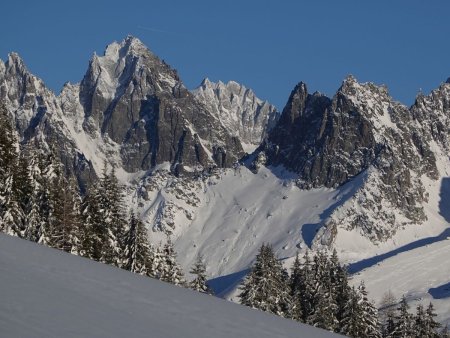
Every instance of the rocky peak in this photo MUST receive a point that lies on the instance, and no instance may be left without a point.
(15, 64)
(361, 130)
(296, 104)
(2, 68)
(239, 110)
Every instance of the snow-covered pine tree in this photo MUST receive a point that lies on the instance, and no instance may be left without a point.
(386, 313)
(339, 281)
(403, 323)
(46, 163)
(11, 213)
(297, 286)
(96, 243)
(431, 324)
(352, 320)
(371, 323)
(137, 247)
(265, 287)
(420, 326)
(169, 270)
(156, 258)
(118, 221)
(308, 291)
(199, 271)
(33, 217)
(388, 329)
(324, 299)
(65, 221)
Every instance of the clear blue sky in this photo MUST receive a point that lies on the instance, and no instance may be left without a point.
(266, 45)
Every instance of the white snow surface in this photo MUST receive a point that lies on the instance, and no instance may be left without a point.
(48, 293)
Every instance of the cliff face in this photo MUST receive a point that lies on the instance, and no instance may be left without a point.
(363, 131)
(239, 110)
(130, 109)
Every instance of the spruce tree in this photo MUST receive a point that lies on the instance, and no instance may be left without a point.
(265, 287)
(297, 286)
(324, 299)
(371, 324)
(387, 314)
(11, 212)
(169, 270)
(420, 325)
(431, 324)
(404, 324)
(137, 247)
(352, 320)
(118, 222)
(199, 271)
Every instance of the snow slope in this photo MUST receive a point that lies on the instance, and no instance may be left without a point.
(47, 293)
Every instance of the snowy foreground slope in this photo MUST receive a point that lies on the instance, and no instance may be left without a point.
(47, 293)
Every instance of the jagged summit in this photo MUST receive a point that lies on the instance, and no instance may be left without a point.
(239, 110)
(448, 80)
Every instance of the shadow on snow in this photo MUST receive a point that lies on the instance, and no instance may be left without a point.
(224, 284)
(444, 211)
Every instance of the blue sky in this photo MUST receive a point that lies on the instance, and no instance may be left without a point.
(268, 46)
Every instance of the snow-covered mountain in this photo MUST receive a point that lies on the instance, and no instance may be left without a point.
(47, 293)
(239, 110)
(358, 171)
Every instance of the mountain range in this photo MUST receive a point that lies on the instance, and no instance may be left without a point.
(222, 171)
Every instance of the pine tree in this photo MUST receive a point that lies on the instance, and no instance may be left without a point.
(297, 285)
(169, 270)
(118, 222)
(137, 247)
(352, 320)
(324, 301)
(11, 212)
(339, 281)
(46, 163)
(199, 271)
(403, 325)
(390, 325)
(64, 219)
(431, 324)
(420, 325)
(386, 313)
(265, 287)
(370, 322)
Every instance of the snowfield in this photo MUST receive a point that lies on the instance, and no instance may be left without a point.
(48, 293)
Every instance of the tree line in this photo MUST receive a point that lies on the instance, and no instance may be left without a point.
(39, 202)
(317, 292)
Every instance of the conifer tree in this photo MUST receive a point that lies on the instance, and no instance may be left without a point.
(199, 271)
(370, 321)
(352, 320)
(118, 222)
(64, 217)
(387, 314)
(297, 286)
(11, 213)
(137, 247)
(339, 282)
(265, 287)
(431, 324)
(420, 325)
(403, 325)
(169, 270)
(324, 301)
